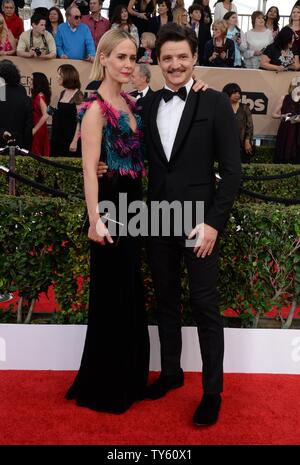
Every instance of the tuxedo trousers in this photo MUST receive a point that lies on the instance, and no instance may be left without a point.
(165, 255)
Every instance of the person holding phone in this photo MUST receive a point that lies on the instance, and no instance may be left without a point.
(236, 34)
(219, 51)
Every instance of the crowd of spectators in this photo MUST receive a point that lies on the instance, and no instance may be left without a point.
(221, 43)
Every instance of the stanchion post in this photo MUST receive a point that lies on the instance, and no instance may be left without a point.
(12, 167)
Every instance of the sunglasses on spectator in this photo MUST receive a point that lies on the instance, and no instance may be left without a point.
(77, 17)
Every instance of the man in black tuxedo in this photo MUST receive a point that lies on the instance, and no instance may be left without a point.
(185, 133)
(140, 80)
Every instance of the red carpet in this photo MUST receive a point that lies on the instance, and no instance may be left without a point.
(257, 409)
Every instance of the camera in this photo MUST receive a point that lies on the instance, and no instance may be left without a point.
(38, 51)
(81, 3)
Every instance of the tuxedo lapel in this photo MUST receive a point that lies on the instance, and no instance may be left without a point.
(155, 137)
(185, 122)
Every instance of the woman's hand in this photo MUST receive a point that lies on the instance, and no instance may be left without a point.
(199, 85)
(73, 146)
(98, 232)
(213, 57)
(248, 147)
(102, 169)
(142, 16)
(280, 68)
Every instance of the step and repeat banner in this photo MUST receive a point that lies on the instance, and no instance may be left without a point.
(261, 89)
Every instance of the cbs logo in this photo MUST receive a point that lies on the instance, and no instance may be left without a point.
(257, 101)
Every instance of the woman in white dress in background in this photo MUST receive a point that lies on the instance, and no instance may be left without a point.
(257, 40)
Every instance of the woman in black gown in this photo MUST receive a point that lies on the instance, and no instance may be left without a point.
(65, 140)
(141, 11)
(114, 366)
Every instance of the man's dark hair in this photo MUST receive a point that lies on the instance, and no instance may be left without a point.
(232, 88)
(116, 17)
(40, 83)
(175, 33)
(36, 18)
(10, 73)
(167, 2)
(195, 7)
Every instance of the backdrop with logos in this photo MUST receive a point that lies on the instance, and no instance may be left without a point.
(261, 89)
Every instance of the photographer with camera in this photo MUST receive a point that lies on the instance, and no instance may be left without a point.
(37, 43)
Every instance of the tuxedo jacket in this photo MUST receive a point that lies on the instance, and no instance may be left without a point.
(16, 115)
(135, 93)
(207, 133)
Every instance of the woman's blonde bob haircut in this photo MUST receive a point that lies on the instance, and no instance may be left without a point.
(107, 43)
(220, 24)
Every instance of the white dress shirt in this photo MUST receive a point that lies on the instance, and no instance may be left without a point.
(168, 119)
(144, 92)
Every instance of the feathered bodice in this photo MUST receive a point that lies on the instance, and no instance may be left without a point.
(121, 146)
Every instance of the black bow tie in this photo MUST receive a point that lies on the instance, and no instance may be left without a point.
(169, 94)
(139, 94)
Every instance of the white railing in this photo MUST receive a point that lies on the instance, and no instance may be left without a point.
(245, 22)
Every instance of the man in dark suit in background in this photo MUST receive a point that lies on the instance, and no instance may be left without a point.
(140, 81)
(185, 133)
(15, 106)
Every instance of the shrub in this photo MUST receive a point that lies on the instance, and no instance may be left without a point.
(41, 243)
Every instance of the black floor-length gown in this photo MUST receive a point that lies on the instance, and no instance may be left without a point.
(64, 122)
(115, 362)
(288, 135)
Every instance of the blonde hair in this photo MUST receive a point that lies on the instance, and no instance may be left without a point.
(177, 15)
(222, 25)
(107, 43)
(295, 82)
(296, 7)
(4, 31)
(150, 39)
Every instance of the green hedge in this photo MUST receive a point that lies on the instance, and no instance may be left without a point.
(41, 243)
(66, 181)
(263, 154)
(72, 182)
(288, 188)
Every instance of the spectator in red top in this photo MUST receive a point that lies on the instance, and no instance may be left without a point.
(13, 22)
(96, 23)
